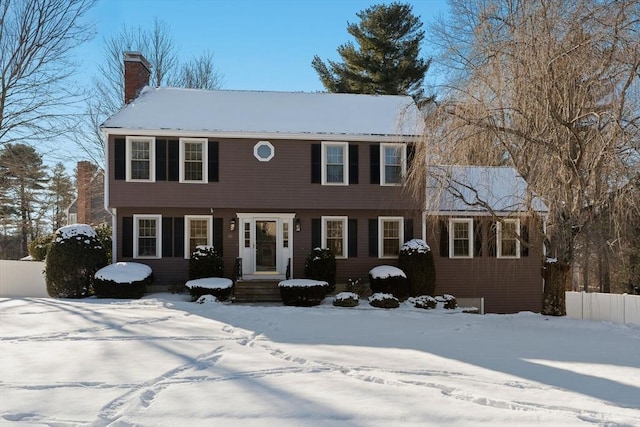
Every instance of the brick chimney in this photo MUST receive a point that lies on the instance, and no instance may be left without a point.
(83, 182)
(137, 72)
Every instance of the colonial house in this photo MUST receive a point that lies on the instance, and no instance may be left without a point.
(265, 177)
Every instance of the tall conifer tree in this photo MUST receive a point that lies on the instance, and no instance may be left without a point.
(387, 59)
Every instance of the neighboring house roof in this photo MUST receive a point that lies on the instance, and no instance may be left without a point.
(479, 189)
(281, 113)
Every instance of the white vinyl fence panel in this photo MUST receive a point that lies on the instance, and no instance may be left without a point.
(615, 308)
(20, 279)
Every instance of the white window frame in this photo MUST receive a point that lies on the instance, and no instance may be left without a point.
(261, 144)
(403, 163)
(345, 234)
(136, 229)
(515, 221)
(205, 157)
(381, 221)
(469, 222)
(152, 157)
(345, 162)
(187, 229)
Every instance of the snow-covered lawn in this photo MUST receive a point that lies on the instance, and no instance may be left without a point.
(164, 361)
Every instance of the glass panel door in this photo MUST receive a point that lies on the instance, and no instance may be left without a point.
(266, 236)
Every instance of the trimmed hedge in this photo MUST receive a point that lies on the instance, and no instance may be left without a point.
(389, 280)
(416, 260)
(382, 300)
(346, 299)
(424, 301)
(219, 287)
(205, 261)
(303, 292)
(122, 280)
(321, 265)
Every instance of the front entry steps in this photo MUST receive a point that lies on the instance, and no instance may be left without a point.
(257, 291)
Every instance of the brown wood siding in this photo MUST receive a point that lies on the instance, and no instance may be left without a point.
(282, 184)
(507, 285)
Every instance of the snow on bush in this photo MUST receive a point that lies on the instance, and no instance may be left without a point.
(416, 260)
(385, 271)
(303, 292)
(415, 245)
(390, 280)
(346, 299)
(423, 301)
(219, 287)
(383, 300)
(122, 280)
(449, 301)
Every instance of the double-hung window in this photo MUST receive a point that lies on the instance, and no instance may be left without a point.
(461, 238)
(391, 236)
(335, 163)
(334, 235)
(508, 231)
(140, 159)
(147, 233)
(193, 155)
(393, 164)
(198, 231)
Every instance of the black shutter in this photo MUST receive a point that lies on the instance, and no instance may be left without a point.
(353, 164)
(178, 237)
(373, 237)
(161, 159)
(411, 152)
(353, 238)
(316, 233)
(444, 239)
(524, 243)
(408, 229)
(167, 237)
(374, 153)
(316, 163)
(214, 161)
(477, 238)
(173, 160)
(218, 223)
(492, 237)
(120, 162)
(127, 236)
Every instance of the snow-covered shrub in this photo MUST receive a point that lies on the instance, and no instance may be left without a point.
(122, 280)
(416, 260)
(205, 261)
(303, 292)
(390, 280)
(449, 301)
(75, 255)
(424, 301)
(346, 299)
(219, 287)
(382, 300)
(38, 248)
(321, 265)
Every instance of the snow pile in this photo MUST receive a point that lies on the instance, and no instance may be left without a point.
(379, 296)
(301, 283)
(417, 245)
(210, 283)
(384, 271)
(207, 299)
(124, 272)
(75, 230)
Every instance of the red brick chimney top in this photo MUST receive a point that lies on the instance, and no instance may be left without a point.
(137, 71)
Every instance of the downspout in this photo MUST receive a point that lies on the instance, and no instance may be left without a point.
(112, 212)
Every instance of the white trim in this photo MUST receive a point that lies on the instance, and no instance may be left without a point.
(152, 157)
(158, 219)
(345, 233)
(187, 236)
(263, 135)
(345, 162)
(205, 157)
(381, 221)
(403, 163)
(470, 239)
(260, 144)
(499, 238)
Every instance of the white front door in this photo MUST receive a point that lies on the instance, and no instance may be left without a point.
(266, 244)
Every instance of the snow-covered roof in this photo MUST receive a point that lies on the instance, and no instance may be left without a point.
(452, 189)
(258, 112)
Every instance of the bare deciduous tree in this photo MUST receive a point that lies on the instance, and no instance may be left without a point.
(36, 41)
(551, 88)
(199, 73)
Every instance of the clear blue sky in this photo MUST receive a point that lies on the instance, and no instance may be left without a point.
(257, 44)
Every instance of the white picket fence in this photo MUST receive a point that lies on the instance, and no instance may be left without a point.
(21, 279)
(615, 308)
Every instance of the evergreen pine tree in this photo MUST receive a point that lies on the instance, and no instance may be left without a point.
(387, 60)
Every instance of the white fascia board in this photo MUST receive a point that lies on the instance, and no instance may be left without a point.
(262, 135)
